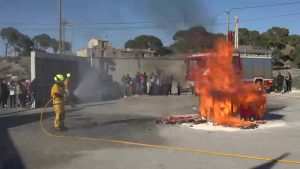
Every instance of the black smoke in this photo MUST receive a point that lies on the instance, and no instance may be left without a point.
(171, 15)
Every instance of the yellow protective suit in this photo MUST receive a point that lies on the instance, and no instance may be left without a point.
(57, 94)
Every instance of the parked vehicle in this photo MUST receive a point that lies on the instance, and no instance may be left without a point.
(252, 66)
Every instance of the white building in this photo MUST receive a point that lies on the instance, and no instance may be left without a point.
(101, 48)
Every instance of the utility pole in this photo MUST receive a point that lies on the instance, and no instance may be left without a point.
(63, 24)
(228, 23)
(60, 27)
(72, 27)
(236, 32)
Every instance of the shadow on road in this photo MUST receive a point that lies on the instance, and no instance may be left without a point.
(97, 104)
(14, 111)
(271, 116)
(271, 164)
(271, 113)
(271, 109)
(9, 155)
(131, 121)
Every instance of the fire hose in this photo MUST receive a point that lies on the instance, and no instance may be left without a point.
(157, 146)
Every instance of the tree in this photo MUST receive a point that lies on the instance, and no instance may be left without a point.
(293, 40)
(42, 42)
(179, 36)
(17, 42)
(277, 37)
(131, 44)
(296, 55)
(276, 54)
(10, 36)
(195, 39)
(180, 47)
(25, 44)
(54, 45)
(254, 38)
(67, 47)
(243, 36)
(146, 42)
(22, 44)
(164, 51)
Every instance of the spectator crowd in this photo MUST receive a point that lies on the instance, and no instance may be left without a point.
(16, 93)
(150, 85)
(283, 83)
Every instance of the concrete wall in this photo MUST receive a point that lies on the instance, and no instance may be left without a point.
(122, 66)
(44, 66)
(82, 52)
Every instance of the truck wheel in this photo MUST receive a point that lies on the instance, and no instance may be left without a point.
(243, 118)
(252, 119)
(268, 91)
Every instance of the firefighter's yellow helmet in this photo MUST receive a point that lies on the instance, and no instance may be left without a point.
(59, 78)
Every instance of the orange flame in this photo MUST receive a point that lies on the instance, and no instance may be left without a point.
(223, 92)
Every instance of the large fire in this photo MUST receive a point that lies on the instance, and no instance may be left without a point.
(223, 93)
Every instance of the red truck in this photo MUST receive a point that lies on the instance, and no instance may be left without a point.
(252, 66)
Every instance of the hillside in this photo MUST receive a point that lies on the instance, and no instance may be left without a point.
(19, 66)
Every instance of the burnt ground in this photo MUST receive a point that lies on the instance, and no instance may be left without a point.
(24, 145)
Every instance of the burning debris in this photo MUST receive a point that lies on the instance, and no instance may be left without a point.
(179, 119)
(224, 98)
(196, 119)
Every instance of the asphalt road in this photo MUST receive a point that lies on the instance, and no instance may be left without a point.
(24, 145)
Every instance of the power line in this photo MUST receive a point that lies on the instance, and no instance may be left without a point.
(151, 22)
(271, 17)
(104, 23)
(155, 26)
(253, 7)
(264, 6)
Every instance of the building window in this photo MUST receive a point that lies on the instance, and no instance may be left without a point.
(103, 45)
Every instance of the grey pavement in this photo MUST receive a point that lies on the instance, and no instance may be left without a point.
(24, 145)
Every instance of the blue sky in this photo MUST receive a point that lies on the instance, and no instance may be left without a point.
(131, 18)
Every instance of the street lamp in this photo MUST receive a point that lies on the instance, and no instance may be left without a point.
(92, 55)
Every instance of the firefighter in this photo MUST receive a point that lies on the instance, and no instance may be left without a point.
(58, 95)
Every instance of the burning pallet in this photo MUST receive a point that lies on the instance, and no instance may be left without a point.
(196, 119)
(179, 119)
